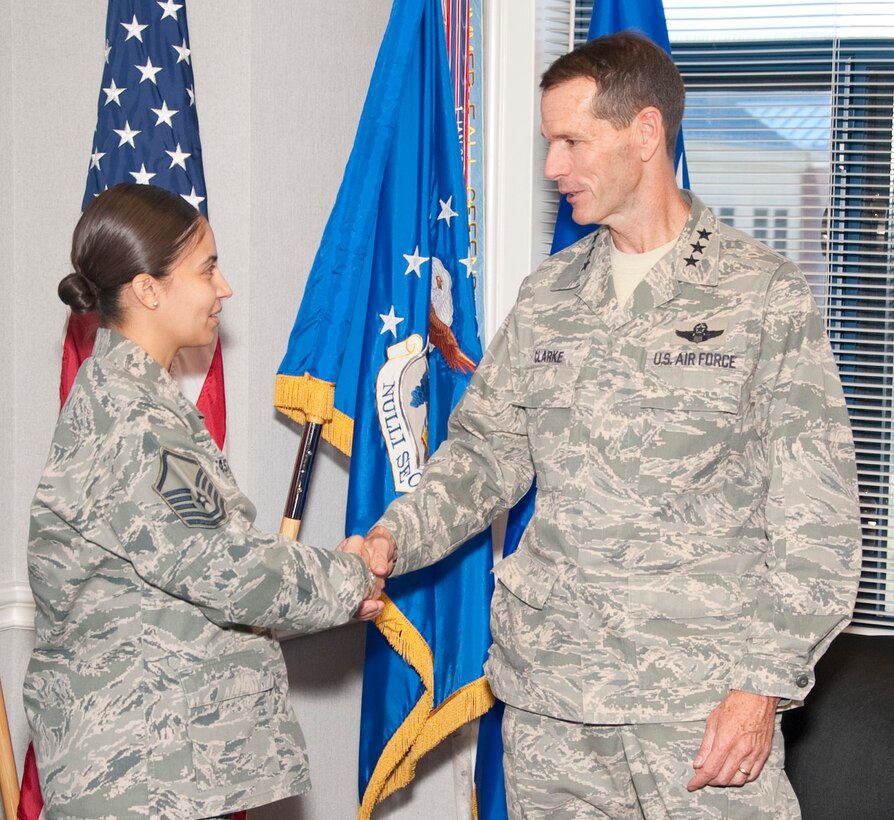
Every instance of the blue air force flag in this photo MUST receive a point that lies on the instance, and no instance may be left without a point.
(382, 348)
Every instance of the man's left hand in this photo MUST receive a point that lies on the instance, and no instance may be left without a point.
(737, 742)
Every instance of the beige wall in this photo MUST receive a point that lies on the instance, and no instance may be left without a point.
(280, 84)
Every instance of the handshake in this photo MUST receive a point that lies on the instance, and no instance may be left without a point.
(379, 551)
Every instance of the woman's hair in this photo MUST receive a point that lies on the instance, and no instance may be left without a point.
(127, 230)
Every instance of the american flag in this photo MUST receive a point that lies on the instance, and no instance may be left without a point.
(147, 131)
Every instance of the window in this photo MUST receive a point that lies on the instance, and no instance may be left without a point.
(759, 225)
(780, 229)
(789, 127)
(727, 215)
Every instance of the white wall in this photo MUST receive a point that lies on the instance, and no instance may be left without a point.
(280, 85)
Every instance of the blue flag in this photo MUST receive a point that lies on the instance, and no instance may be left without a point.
(382, 348)
(647, 17)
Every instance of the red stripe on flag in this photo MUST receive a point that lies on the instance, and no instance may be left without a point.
(212, 401)
(30, 800)
(78, 345)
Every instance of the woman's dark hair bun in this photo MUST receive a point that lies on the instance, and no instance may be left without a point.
(79, 293)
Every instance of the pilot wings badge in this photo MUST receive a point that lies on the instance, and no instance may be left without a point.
(700, 333)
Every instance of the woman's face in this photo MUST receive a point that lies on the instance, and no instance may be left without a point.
(190, 301)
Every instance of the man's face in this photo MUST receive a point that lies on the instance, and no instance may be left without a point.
(596, 165)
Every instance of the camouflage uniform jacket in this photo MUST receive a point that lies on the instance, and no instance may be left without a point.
(148, 694)
(696, 526)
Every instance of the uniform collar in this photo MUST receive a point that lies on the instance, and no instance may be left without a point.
(693, 259)
(111, 348)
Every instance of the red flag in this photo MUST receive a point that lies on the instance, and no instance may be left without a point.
(212, 401)
(77, 346)
(30, 800)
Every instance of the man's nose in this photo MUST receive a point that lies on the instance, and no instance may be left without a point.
(556, 164)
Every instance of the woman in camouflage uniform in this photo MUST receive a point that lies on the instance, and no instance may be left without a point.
(156, 687)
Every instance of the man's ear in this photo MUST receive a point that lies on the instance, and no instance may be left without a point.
(649, 132)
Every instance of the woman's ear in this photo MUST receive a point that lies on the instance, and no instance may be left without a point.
(145, 289)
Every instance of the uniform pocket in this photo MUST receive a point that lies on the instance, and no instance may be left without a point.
(688, 421)
(527, 577)
(518, 623)
(231, 712)
(547, 397)
(687, 629)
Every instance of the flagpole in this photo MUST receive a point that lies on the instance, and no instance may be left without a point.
(304, 462)
(9, 781)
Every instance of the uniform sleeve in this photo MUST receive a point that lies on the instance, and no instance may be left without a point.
(805, 596)
(175, 513)
(480, 470)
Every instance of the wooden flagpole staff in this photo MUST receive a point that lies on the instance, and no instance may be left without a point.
(9, 780)
(304, 462)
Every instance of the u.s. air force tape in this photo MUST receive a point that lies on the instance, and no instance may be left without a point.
(189, 491)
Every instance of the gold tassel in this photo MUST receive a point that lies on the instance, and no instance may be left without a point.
(303, 397)
(424, 728)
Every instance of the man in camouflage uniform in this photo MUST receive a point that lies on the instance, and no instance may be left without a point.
(695, 542)
(148, 694)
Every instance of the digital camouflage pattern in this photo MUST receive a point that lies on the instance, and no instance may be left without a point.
(696, 526)
(156, 688)
(557, 770)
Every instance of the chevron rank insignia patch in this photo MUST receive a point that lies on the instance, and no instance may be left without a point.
(189, 491)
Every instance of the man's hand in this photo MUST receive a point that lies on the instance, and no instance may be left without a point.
(370, 607)
(381, 551)
(737, 742)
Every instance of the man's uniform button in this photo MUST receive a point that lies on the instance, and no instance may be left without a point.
(802, 681)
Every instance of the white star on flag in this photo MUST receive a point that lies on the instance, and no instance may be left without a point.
(182, 51)
(148, 71)
(390, 322)
(447, 211)
(192, 96)
(113, 94)
(142, 176)
(170, 8)
(134, 29)
(164, 114)
(108, 51)
(193, 198)
(414, 262)
(127, 134)
(469, 261)
(95, 157)
(178, 157)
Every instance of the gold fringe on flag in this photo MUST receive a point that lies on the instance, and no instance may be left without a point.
(424, 728)
(305, 397)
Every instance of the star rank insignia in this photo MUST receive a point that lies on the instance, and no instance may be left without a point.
(698, 248)
(188, 490)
